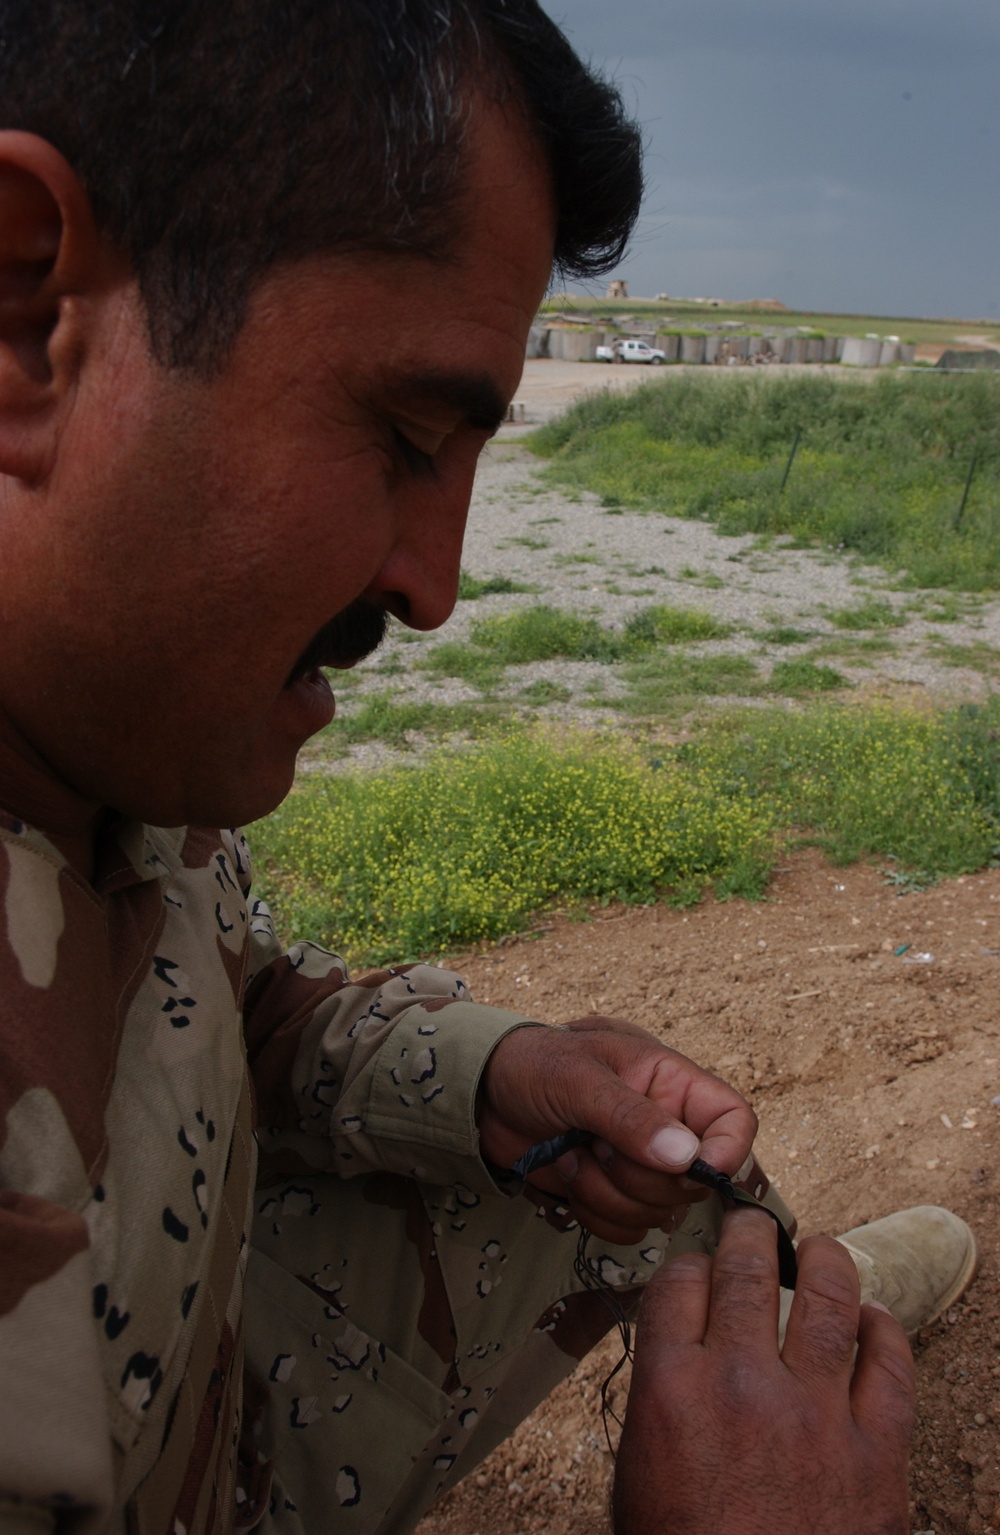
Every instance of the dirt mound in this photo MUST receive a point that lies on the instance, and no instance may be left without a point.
(862, 1025)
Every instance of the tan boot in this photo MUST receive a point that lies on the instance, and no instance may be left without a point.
(916, 1262)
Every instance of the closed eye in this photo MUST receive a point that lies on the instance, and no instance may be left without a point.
(415, 459)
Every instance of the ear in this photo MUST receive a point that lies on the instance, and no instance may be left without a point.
(51, 262)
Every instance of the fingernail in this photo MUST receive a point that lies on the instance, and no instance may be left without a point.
(877, 1305)
(568, 1165)
(674, 1147)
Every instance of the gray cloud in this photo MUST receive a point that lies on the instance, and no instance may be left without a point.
(845, 159)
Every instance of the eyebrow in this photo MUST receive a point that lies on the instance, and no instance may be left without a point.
(473, 396)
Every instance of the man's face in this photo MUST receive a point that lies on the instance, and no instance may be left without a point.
(198, 537)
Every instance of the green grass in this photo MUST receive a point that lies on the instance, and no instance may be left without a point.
(870, 613)
(658, 684)
(386, 718)
(541, 692)
(855, 649)
(526, 541)
(467, 845)
(786, 634)
(979, 656)
(663, 625)
(803, 675)
(879, 472)
(470, 587)
(542, 633)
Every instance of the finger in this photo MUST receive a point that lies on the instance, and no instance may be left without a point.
(722, 1119)
(590, 1187)
(883, 1391)
(639, 1127)
(823, 1322)
(675, 1305)
(745, 1290)
(642, 1183)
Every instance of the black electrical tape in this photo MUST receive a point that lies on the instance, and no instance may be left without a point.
(547, 1152)
(722, 1184)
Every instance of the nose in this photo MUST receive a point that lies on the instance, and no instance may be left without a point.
(418, 581)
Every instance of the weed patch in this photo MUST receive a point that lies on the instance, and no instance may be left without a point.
(880, 470)
(468, 844)
(871, 613)
(663, 625)
(786, 634)
(657, 683)
(384, 717)
(541, 692)
(542, 633)
(452, 659)
(470, 588)
(804, 676)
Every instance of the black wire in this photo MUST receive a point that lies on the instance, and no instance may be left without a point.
(590, 1280)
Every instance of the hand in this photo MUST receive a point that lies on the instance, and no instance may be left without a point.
(653, 1111)
(725, 1436)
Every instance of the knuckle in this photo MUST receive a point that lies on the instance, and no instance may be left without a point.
(628, 1117)
(834, 1289)
(685, 1271)
(828, 1337)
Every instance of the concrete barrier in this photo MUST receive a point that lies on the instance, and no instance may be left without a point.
(888, 354)
(572, 345)
(692, 349)
(830, 348)
(669, 344)
(861, 352)
(814, 349)
(712, 344)
(907, 353)
(538, 342)
(987, 359)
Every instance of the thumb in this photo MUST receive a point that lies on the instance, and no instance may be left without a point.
(638, 1127)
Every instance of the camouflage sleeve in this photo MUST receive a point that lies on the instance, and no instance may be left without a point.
(55, 1463)
(377, 1073)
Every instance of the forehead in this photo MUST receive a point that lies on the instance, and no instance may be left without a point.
(362, 320)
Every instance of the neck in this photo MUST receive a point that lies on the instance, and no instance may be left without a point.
(33, 792)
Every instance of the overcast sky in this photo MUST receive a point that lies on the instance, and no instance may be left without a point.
(838, 154)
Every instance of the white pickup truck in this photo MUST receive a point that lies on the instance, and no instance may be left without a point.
(628, 350)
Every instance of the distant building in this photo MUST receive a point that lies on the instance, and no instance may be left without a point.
(617, 288)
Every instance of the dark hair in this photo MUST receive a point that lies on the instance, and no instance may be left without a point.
(218, 137)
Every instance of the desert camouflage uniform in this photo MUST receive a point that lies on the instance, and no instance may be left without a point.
(181, 1354)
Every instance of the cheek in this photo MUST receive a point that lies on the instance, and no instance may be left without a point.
(311, 533)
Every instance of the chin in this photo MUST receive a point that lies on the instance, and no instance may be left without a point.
(244, 803)
(228, 801)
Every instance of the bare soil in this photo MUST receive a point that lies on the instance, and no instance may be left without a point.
(872, 1068)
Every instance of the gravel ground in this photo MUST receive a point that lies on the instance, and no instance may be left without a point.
(578, 556)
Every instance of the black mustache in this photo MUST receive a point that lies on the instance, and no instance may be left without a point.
(351, 634)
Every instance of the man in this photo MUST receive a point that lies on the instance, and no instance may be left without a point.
(266, 275)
